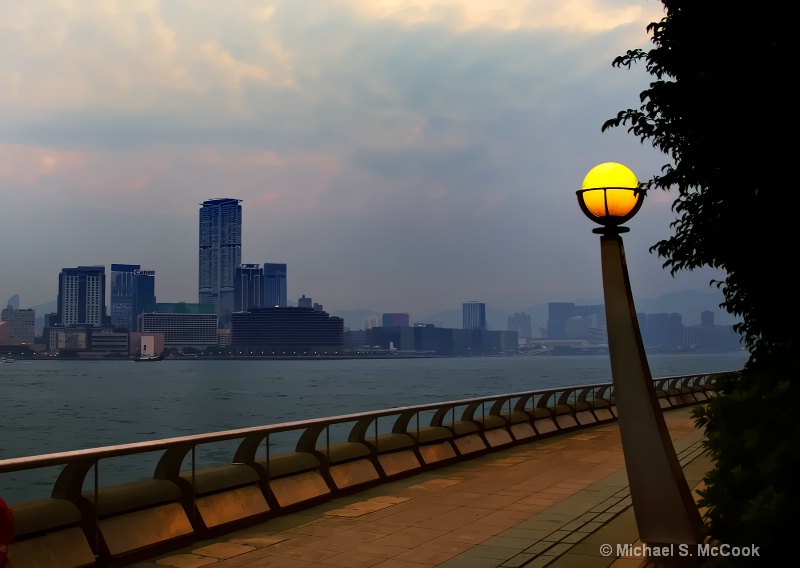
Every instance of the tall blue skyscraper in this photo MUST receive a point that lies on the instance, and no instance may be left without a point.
(474, 315)
(144, 295)
(274, 285)
(249, 288)
(132, 293)
(220, 254)
(122, 291)
(82, 296)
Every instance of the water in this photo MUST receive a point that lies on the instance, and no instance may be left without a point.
(53, 406)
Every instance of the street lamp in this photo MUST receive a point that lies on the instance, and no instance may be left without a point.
(663, 505)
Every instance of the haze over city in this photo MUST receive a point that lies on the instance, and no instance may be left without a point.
(397, 155)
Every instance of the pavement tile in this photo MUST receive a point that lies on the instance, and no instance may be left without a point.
(464, 561)
(186, 561)
(495, 552)
(222, 550)
(487, 512)
(379, 550)
(434, 552)
(350, 560)
(305, 554)
(508, 542)
(520, 559)
(436, 484)
(258, 541)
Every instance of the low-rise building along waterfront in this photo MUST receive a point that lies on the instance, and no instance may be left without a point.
(287, 330)
(180, 330)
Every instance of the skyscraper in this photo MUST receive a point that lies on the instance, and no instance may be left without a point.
(220, 254)
(132, 293)
(19, 325)
(122, 290)
(249, 288)
(82, 296)
(474, 315)
(274, 285)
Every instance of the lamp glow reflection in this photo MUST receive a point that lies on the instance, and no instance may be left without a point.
(663, 505)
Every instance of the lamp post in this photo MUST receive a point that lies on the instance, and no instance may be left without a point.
(663, 505)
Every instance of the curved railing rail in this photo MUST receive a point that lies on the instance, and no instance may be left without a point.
(182, 501)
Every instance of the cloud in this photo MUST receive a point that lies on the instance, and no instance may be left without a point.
(426, 150)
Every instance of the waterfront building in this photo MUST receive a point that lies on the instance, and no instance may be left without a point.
(305, 302)
(275, 285)
(474, 315)
(396, 320)
(248, 290)
(110, 341)
(68, 338)
(559, 313)
(370, 321)
(220, 254)
(521, 323)
(664, 331)
(399, 338)
(132, 293)
(183, 308)
(82, 296)
(20, 325)
(182, 329)
(442, 341)
(223, 337)
(141, 343)
(287, 331)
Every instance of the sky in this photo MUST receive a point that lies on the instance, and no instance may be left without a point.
(398, 155)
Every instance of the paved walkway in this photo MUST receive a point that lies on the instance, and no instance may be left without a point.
(552, 503)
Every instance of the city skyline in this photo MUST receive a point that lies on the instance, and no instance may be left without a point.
(424, 153)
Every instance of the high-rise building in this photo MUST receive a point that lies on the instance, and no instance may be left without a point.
(132, 293)
(474, 315)
(82, 296)
(521, 323)
(248, 291)
(220, 254)
(144, 294)
(395, 320)
(274, 285)
(304, 302)
(19, 325)
(121, 312)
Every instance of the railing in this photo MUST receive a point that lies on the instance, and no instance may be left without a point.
(182, 501)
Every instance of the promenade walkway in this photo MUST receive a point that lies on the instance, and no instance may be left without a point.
(552, 503)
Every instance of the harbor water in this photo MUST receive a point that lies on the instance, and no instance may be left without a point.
(56, 405)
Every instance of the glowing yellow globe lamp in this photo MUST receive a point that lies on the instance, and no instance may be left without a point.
(663, 505)
(610, 196)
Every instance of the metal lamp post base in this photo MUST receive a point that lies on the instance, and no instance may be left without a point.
(663, 505)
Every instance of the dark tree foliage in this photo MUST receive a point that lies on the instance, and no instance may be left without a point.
(720, 106)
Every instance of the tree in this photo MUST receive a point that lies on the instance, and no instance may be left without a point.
(719, 107)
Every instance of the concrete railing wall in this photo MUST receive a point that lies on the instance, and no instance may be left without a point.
(181, 502)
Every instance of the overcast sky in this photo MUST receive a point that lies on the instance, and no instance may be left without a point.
(398, 155)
